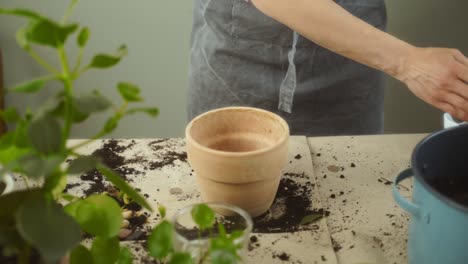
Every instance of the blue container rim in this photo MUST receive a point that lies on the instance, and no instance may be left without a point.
(418, 173)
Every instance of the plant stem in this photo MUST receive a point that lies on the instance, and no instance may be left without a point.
(66, 78)
(76, 74)
(80, 72)
(69, 10)
(42, 62)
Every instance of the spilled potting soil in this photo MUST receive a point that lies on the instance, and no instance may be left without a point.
(110, 154)
(292, 204)
(139, 162)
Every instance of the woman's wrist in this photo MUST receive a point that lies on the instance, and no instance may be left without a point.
(398, 61)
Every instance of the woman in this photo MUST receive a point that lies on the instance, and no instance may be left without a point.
(317, 63)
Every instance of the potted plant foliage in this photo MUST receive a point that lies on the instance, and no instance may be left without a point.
(43, 224)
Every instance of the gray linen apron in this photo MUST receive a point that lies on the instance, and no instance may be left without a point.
(240, 57)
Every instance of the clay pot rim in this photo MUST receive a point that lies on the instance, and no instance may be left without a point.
(283, 140)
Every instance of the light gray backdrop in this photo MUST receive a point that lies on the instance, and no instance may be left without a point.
(157, 33)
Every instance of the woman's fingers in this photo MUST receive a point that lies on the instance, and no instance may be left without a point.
(460, 88)
(458, 56)
(439, 77)
(455, 105)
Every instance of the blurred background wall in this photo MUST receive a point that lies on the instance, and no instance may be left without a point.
(157, 34)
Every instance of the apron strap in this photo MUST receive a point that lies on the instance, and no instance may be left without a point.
(289, 84)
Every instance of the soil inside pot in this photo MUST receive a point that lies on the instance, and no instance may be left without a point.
(239, 144)
(455, 189)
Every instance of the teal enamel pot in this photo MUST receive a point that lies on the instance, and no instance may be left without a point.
(438, 231)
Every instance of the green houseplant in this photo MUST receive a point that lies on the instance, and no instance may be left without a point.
(36, 150)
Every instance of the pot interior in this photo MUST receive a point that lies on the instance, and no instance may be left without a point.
(441, 164)
(238, 130)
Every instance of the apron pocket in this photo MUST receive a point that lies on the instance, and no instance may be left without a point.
(250, 23)
(217, 15)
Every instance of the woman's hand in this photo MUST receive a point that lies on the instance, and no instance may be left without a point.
(438, 76)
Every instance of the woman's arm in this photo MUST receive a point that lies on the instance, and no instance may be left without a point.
(436, 75)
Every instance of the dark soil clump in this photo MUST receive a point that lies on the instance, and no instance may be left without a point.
(282, 256)
(71, 186)
(138, 221)
(133, 206)
(292, 203)
(168, 159)
(108, 154)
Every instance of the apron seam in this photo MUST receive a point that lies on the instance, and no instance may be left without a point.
(219, 77)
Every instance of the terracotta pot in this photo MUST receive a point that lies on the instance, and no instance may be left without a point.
(238, 154)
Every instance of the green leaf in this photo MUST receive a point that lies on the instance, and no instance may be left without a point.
(36, 166)
(129, 92)
(223, 256)
(83, 37)
(49, 33)
(92, 102)
(30, 87)
(9, 157)
(69, 198)
(43, 223)
(203, 216)
(125, 256)
(111, 124)
(235, 235)
(80, 255)
(151, 111)
(76, 116)
(51, 104)
(181, 258)
(21, 12)
(11, 201)
(160, 240)
(10, 115)
(105, 251)
(310, 219)
(21, 139)
(102, 61)
(82, 164)
(162, 211)
(225, 243)
(222, 231)
(123, 186)
(6, 141)
(45, 134)
(98, 215)
(9, 163)
(32, 165)
(21, 39)
(55, 184)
